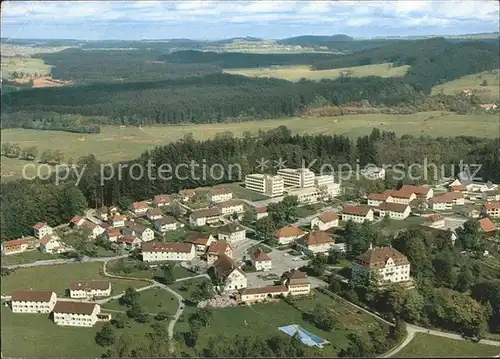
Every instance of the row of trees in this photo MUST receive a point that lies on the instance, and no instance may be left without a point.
(52, 121)
(14, 150)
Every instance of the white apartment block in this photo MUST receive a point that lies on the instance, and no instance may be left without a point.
(156, 251)
(89, 289)
(272, 186)
(76, 314)
(231, 206)
(397, 211)
(323, 180)
(41, 230)
(357, 214)
(30, 301)
(389, 264)
(297, 177)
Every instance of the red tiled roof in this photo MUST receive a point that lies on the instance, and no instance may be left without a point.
(119, 217)
(379, 196)
(211, 212)
(491, 205)
(15, 242)
(167, 247)
(219, 248)
(487, 225)
(39, 225)
(130, 238)
(74, 307)
(140, 205)
(316, 238)
(76, 219)
(154, 212)
(89, 225)
(289, 231)
(261, 209)
(418, 190)
(46, 239)
(448, 197)
(377, 257)
(219, 191)
(31, 295)
(458, 187)
(162, 198)
(295, 277)
(434, 218)
(356, 210)
(260, 256)
(328, 217)
(393, 207)
(113, 232)
(402, 193)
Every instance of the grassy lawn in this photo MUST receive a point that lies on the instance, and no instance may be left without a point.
(473, 82)
(295, 73)
(425, 345)
(175, 236)
(264, 319)
(27, 257)
(135, 272)
(395, 225)
(187, 287)
(309, 210)
(57, 278)
(153, 300)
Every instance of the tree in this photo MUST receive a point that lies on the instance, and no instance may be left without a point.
(204, 290)
(162, 316)
(465, 279)
(359, 347)
(46, 156)
(106, 336)
(137, 312)
(334, 256)
(29, 153)
(249, 217)
(120, 320)
(318, 265)
(201, 317)
(130, 297)
(264, 228)
(168, 275)
(322, 318)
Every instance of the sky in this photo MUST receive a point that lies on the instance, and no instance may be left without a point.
(133, 20)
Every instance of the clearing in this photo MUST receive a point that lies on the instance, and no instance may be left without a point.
(26, 65)
(489, 93)
(57, 278)
(426, 345)
(295, 73)
(152, 300)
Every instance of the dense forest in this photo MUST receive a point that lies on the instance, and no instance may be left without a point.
(378, 148)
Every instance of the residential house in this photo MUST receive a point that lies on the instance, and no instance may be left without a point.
(102, 213)
(419, 191)
(229, 274)
(118, 220)
(260, 260)
(93, 229)
(435, 220)
(261, 212)
(231, 232)
(31, 301)
(42, 229)
(217, 249)
(77, 221)
(394, 210)
(486, 225)
(129, 241)
(491, 196)
(154, 213)
(204, 216)
(112, 234)
(447, 201)
(232, 206)
(288, 234)
(458, 188)
(144, 233)
(15, 246)
(201, 241)
(187, 194)
(113, 210)
(50, 244)
(375, 199)
(296, 282)
(491, 209)
(76, 314)
(219, 194)
(357, 214)
(325, 221)
(161, 200)
(254, 295)
(389, 264)
(90, 289)
(167, 224)
(315, 242)
(401, 196)
(166, 251)
(139, 208)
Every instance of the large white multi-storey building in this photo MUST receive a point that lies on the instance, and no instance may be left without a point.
(323, 180)
(297, 177)
(77, 314)
(31, 301)
(157, 251)
(271, 186)
(389, 264)
(90, 289)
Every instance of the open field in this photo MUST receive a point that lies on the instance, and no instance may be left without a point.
(490, 93)
(295, 73)
(27, 65)
(122, 143)
(152, 300)
(27, 257)
(57, 278)
(426, 345)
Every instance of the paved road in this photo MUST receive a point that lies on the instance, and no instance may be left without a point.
(179, 311)
(64, 261)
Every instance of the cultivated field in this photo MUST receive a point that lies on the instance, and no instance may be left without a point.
(26, 65)
(425, 345)
(488, 93)
(295, 73)
(122, 143)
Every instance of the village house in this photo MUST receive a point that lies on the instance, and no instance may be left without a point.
(217, 249)
(325, 221)
(219, 194)
(93, 229)
(77, 314)
(15, 246)
(357, 214)
(50, 244)
(139, 208)
(231, 232)
(419, 191)
(112, 234)
(144, 233)
(289, 234)
(102, 213)
(166, 251)
(260, 260)
(89, 289)
(491, 196)
(401, 196)
(167, 224)
(154, 214)
(76, 221)
(435, 220)
(187, 194)
(491, 209)
(389, 264)
(296, 282)
(41, 230)
(161, 200)
(229, 274)
(375, 199)
(261, 212)
(31, 301)
(254, 295)
(397, 211)
(486, 225)
(201, 241)
(447, 201)
(232, 206)
(204, 216)
(315, 242)
(129, 241)
(118, 220)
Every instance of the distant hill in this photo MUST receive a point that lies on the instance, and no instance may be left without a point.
(313, 40)
(235, 39)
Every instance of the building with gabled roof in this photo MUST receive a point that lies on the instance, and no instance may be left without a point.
(288, 234)
(447, 200)
(219, 194)
(404, 196)
(389, 264)
(375, 199)
(257, 294)
(397, 211)
(76, 314)
(260, 260)
(167, 224)
(231, 232)
(167, 251)
(486, 225)
(118, 220)
(491, 209)
(201, 241)
(51, 244)
(296, 282)
(231, 206)
(129, 241)
(216, 249)
(420, 191)
(205, 216)
(89, 289)
(42, 229)
(357, 214)
(161, 200)
(33, 301)
(15, 246)
(315, 242)
(261, 212)
(325, 221)
(139, 208)
(229, 274)
(154, 213)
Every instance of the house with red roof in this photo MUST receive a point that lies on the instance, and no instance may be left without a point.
(261, 212)
(217, 249)
(447, 201)
(42, 229)
(491, 209)
(357, 214)
(487, 225)
(260, 260)
(167, 251)
(325, 221)
(139, 208)
(15, 246)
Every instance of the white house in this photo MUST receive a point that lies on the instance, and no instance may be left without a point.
(154, 214)
(435, 220)
(232, 206)
(315, 242)
(161, 200)
(42, 229)
(375, 199)
(401, 196)
(167, 224)
(112, 234)
(389, 264)
(165, 251)
(118, 220)
(15, 246)
(201, 241)
(31, 301)
(129, 241)
(261, 212)
(261, 261)
(394, 210)
(307, 195)
(447, 201)
(253, 295)
(145, 234)
(357, 214)
(219, 194)
(217, 249)
(232, 277)
(76, 314)
(94, 229)
(204, 216)
(139, 208)
(90, 289)
(289, 234)
(77, 221)
(231, 232)
(491, 209)
(187, 194)
(296, 282)
(325, 221)
(50, 244)
(330, 190)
